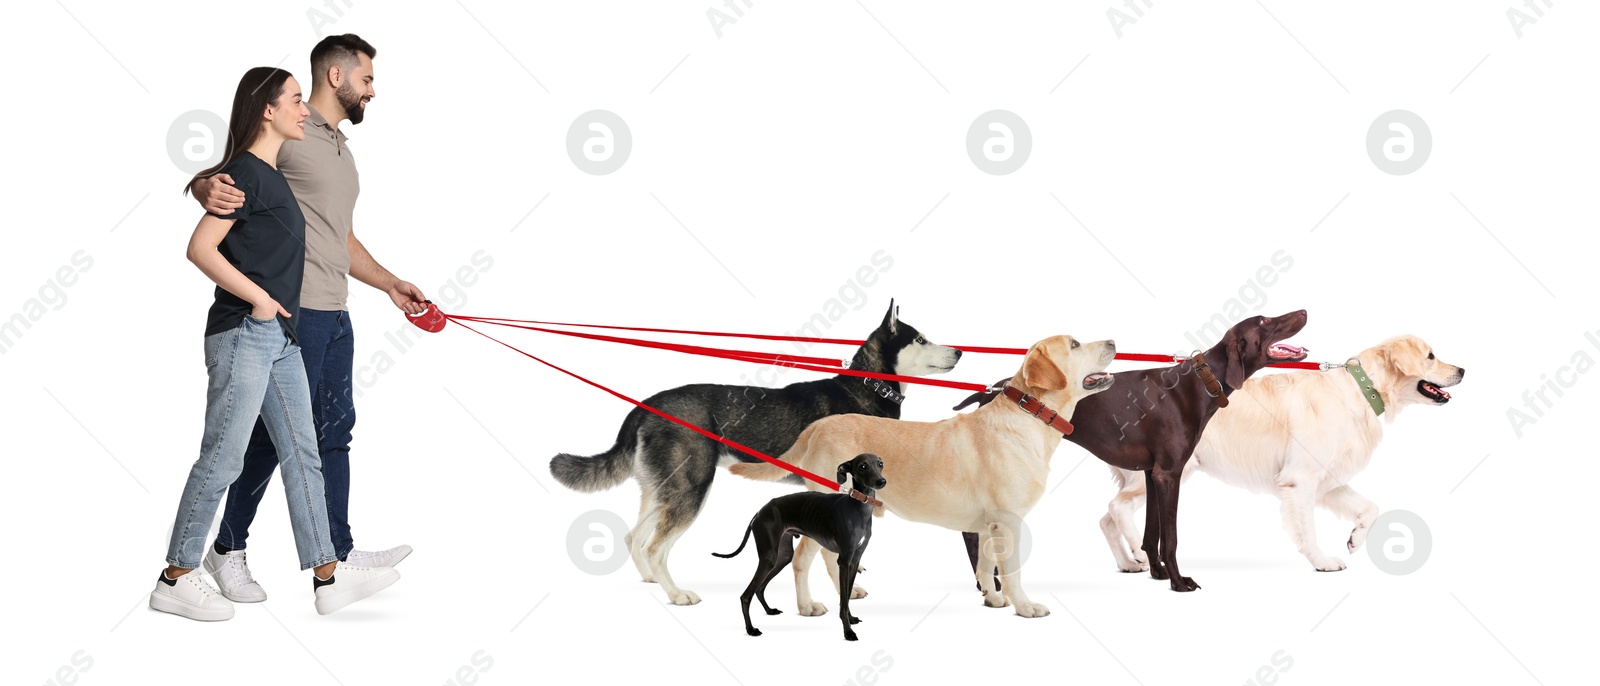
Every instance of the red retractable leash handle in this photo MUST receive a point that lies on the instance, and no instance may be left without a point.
(431, 320)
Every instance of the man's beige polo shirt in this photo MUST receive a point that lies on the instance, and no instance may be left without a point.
(322, 174)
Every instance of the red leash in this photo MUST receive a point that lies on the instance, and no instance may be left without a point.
(1126, 357)
(756, 336)
(771, 358)
(793, 361)
(831, 484)
(433, 320)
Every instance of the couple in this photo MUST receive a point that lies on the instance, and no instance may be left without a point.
(276, 236)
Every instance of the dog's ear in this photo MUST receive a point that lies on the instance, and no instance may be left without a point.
(891, 319)
(1039, 371)
(1237, 350)
(844, 472)
(1399, 358)
(1386, 361)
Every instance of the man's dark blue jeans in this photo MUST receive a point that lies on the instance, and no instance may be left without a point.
(327, 345)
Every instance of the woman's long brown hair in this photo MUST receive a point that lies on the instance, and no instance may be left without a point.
(260, 88)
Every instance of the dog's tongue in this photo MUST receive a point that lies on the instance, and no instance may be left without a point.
(1442, 392)
(1284, 351)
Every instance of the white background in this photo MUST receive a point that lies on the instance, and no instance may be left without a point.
(1167, 166)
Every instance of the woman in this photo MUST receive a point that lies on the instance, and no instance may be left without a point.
(256, 256)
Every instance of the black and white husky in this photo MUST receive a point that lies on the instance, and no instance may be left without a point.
(675, 465)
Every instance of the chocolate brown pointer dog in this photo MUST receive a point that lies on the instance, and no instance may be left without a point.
(1154, 419)
(841, 523)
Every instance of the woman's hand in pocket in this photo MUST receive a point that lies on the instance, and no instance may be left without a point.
(268, 309)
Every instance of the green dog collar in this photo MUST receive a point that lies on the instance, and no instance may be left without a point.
(1367, 391)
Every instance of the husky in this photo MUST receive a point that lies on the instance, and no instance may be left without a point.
(675, 465)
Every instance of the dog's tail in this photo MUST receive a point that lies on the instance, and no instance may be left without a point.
(751, 527)
(603, 471)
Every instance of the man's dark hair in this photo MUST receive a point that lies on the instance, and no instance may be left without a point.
(341, 50)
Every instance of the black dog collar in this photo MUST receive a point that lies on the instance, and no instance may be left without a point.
(884, 389)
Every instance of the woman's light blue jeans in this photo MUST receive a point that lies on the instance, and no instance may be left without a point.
(254, 370)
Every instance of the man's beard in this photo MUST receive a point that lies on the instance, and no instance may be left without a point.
(351, 102)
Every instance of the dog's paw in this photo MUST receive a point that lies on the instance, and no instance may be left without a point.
(753, 631)
(1138, 562)
(858, 593)
(995, 600)
(774, 611)
(813, 609)
(1158, 572)
(849, 635)
(1031, 609)
(1183, 584)
(1358, 536)
(854, 619)
(1331, 564)
(683, 597)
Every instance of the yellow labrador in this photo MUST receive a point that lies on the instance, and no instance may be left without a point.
(981, 471)
(1299, 436)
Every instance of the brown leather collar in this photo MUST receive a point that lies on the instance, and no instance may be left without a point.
(862, 497)
(1037, 408)
(1213, 387)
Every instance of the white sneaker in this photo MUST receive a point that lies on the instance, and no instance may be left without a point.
(233, 577)
(349, 584)
(381, 558)
(190, 596)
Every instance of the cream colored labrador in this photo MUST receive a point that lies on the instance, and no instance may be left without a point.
(1300, 436)
(981, 471)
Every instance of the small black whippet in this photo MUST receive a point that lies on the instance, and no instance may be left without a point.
(839, 522)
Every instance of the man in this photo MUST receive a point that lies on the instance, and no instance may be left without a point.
(322, 174)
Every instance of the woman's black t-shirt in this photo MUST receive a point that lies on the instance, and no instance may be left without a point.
(267, 244)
